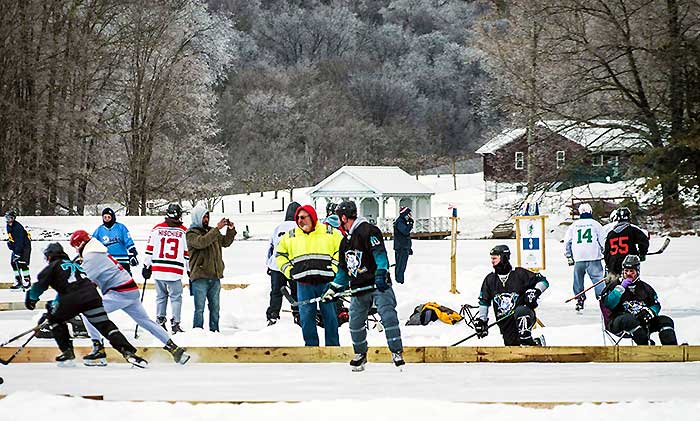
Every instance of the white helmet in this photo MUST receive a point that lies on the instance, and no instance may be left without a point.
(585, 208)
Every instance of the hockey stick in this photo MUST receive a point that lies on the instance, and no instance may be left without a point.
(667, 241)
(34, 329)
(587, 289)
(489, 327)
(345, 293)
(19, 349)
(143, 292)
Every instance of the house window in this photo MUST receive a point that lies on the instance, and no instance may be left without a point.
(519, 160)
(597, 161)
(561, 158)
(614, 164)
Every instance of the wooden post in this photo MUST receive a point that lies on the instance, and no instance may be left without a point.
(453, 253)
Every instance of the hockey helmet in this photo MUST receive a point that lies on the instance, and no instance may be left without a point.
(624, 214)
(502, 251)
(613, 216)
(347, 208)
(585, 208)
(54, 250)
(79, 238)
(174, 211)
(631, 261)
(330, 208)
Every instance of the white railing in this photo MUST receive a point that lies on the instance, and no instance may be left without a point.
(435, 224)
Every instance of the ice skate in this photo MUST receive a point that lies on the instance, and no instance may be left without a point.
(98, 356)
(358, 362)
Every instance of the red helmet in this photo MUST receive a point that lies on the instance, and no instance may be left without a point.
(79, 238)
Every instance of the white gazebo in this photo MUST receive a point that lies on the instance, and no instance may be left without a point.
(379, 192)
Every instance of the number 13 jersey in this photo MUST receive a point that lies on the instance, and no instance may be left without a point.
(166, 252)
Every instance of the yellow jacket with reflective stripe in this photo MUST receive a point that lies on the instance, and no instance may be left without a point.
(309, 258)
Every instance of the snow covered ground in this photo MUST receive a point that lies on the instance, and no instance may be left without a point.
(330, 390)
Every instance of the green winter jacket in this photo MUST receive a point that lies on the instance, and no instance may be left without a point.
(204, 249)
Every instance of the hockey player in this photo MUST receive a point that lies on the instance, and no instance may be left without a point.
(364, 262)
(119, 292)
(167, 260)
(20, 243)
(635, 307)
(513, 291)
(115, 236)
(75, 295)
(584, 242)
(277, 278)
(622, 240)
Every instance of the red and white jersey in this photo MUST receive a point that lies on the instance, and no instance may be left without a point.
(166, 252)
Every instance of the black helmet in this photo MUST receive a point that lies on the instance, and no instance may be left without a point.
(502, 251)
(624, 214)
(174, 211)
(54, 250)
(330, 208)
(347, 208)
(631, 262)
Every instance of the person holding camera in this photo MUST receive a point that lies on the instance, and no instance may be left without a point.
(402, 242)
(204, 245)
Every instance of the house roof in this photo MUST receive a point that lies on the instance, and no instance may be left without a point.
(370, 181)
(599, 139)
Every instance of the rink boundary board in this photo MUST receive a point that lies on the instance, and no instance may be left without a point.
(440, 354)
(526, 404)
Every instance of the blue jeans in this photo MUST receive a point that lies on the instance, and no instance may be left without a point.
(594, 268)
(307, 315)
(172, 289)
(386, 307)
(206, 290)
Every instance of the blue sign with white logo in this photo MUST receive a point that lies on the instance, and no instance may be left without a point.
(531, 243)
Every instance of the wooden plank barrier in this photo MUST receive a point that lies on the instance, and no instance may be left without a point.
(550, 354)
(11, 306)
(150, 285)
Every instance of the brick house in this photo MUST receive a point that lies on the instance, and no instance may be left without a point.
(565, 153)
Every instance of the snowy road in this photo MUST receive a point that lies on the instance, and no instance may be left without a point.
(529, 382)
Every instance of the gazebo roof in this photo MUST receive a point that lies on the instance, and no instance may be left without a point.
(369, 181)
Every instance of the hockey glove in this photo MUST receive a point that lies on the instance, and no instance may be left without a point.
(146, 272)
(642, 257)
(380, 280)
(482, 328)
(29, 303)
(531, 296)
(570, 260)
(626, 282)
(645, 315)
(133, 261)
(330, 292)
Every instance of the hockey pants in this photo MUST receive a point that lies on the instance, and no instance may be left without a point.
(517, 329)
(626, 322)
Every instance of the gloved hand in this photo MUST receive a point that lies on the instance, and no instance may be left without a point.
(531, 296)
(332, 289)
(44, 317)
(29, 303)
(482, 328)
(626, 282)
(642, 257)
(645, 315)
(570, 260)
(380, 280)
(146, 272)
(133, 261)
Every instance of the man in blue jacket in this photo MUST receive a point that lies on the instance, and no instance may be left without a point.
(115, 236)
(402, 241)
(20, 243)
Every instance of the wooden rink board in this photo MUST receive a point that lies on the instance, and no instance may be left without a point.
(149, 285)
(497, 354)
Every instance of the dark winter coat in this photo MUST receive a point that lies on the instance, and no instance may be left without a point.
(402, 231)
(622, 240)
(18, 240)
